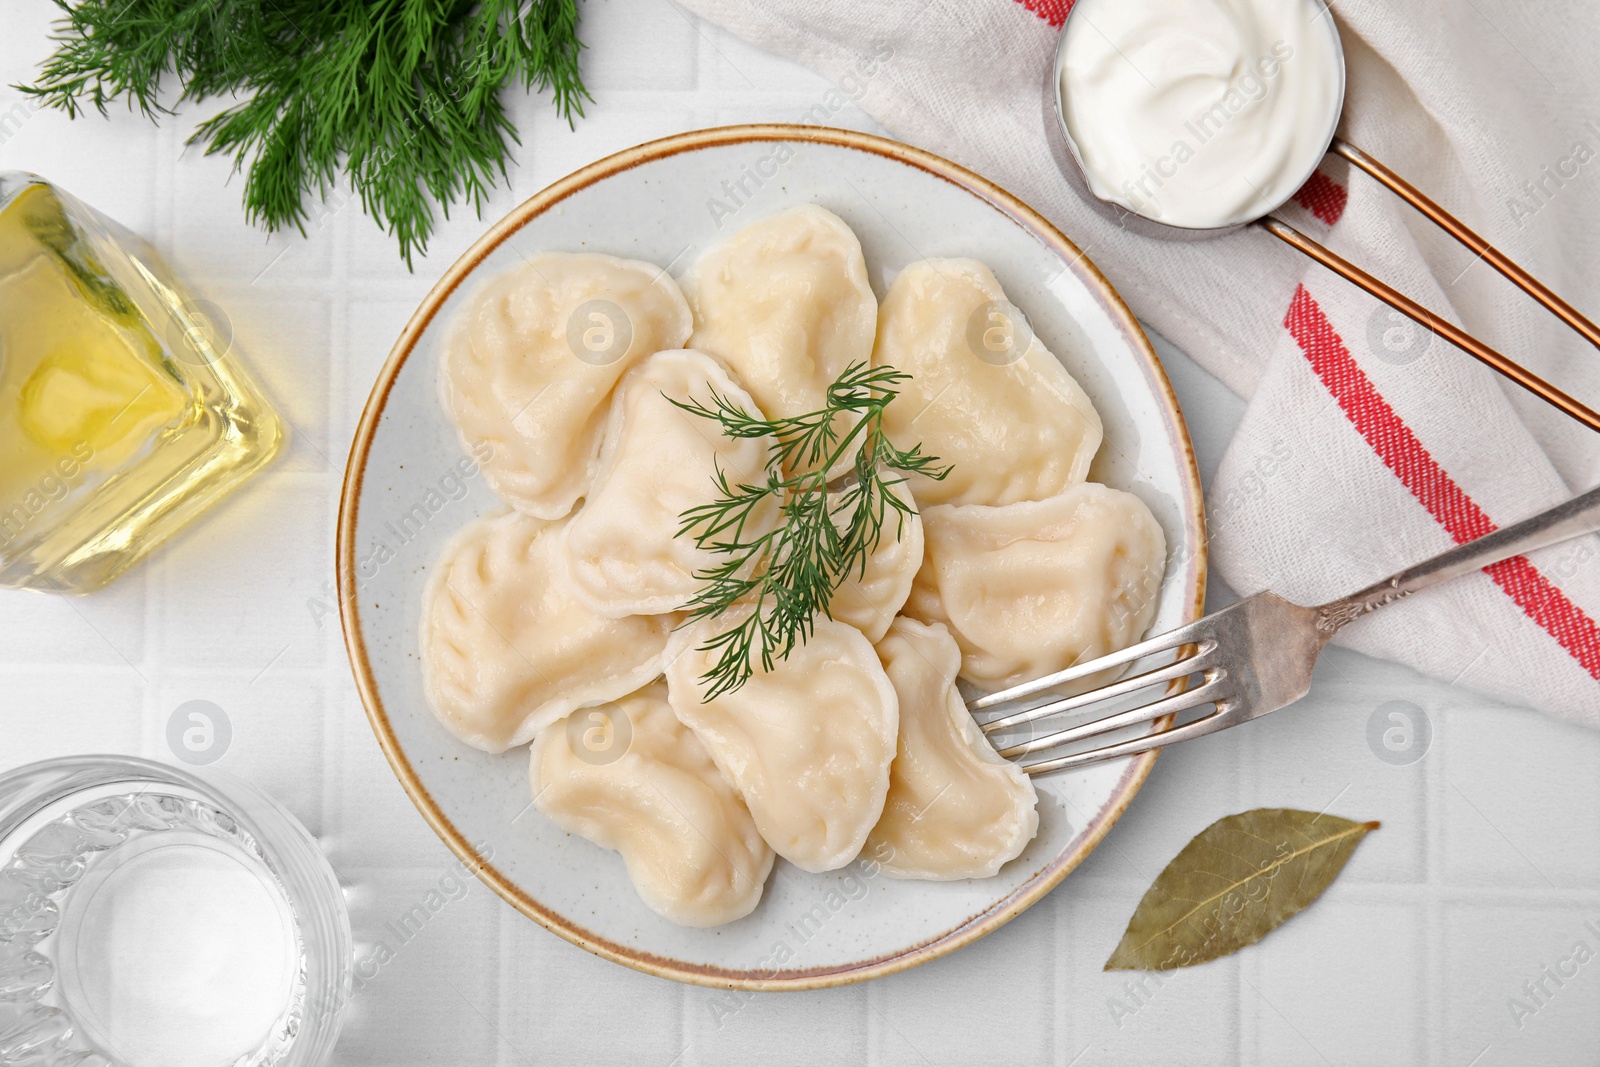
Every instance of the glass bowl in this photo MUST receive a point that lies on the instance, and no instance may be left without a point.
(154, 917)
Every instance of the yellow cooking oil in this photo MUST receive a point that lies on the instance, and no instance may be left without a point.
(123, 410)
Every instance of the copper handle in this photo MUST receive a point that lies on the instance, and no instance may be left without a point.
(1419, 314)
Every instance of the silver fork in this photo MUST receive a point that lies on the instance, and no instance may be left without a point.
(1254, 656)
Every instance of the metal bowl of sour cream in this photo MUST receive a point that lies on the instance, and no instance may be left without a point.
(1192, 118)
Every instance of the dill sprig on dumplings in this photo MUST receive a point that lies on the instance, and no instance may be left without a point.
(788, 574)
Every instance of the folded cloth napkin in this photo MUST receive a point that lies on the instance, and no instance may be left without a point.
(1368, 444)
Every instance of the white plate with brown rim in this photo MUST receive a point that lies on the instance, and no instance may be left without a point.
(408, 488)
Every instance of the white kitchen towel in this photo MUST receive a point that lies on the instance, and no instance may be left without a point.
(1368, 444)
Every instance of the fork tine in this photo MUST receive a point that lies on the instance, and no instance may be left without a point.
(1217, 720)
(1183, 635)
(1207, 693)
(1187, 665)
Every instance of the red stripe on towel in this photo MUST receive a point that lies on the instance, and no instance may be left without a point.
(1323, 197)
(1447, 502)
(1052, 11)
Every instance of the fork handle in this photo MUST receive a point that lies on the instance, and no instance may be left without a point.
(1578, 516)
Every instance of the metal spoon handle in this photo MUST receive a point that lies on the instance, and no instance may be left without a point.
(1421, 315)
(1460, 231)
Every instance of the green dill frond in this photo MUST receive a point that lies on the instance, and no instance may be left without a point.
(787, 576)
(402, 97)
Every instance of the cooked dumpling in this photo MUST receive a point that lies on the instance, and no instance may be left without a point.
(786, 303)
(869, 600)
(955, 808)
(1006, 416)
(507, 647)
(657, 462)
(1031, 588)
(638, 781)
(530, 364)
(808, 745)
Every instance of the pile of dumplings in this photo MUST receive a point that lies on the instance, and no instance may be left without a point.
(556, 619)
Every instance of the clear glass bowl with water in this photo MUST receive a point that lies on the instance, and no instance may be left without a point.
(153, 917)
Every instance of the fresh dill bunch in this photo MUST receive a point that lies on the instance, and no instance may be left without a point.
(402, 96)
(787, 575)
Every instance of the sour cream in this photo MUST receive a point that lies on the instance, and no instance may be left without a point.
(1200, 113)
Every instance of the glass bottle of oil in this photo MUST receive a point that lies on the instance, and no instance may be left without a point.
(123, 412)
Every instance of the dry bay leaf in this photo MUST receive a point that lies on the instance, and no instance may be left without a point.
(1233, 884)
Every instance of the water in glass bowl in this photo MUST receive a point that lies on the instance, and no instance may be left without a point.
(145, 929)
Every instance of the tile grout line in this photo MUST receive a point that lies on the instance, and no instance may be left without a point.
(1065, 985)
(338, 358)
(1432, 911)
(871, 1032)
(502, 981)
(687, 1056)
(155, 588)
(1053, 1038)
(1246, 1039)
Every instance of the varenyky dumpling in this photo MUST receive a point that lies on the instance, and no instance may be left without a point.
(646, 788)
(786, 303)
(507, 647)
(869, 600)
(955, 808)
(657, 462)
(1031, 588)
(808, 745)
(530, 364)
(1007, 418)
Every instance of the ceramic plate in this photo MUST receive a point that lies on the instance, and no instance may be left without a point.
(404, 495)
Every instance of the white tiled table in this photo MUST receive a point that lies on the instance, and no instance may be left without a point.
(1485, 871)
